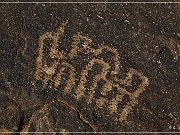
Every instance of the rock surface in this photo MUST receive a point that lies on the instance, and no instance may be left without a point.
(89, 67)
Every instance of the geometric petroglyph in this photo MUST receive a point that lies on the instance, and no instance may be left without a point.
(54, 66)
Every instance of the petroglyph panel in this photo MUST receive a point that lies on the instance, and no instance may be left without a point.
(117, 64)
(109, 72)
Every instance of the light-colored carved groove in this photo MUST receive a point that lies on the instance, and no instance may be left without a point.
(76, 42)
(88, 49)
(116, 58)
(39, 63)
(71, 78)
(46, 71)
(134, 96)
(57, 79)
(107, 87)
(101, 102)
(54, 53)
(113, 104)
(84, 74)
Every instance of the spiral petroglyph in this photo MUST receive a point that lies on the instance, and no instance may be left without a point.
(57, 64)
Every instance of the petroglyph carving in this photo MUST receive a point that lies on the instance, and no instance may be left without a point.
(70, 81)
(102, 75)
(44, 71)
(109, 73)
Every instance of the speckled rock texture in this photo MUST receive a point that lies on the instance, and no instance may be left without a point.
(84, 67)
